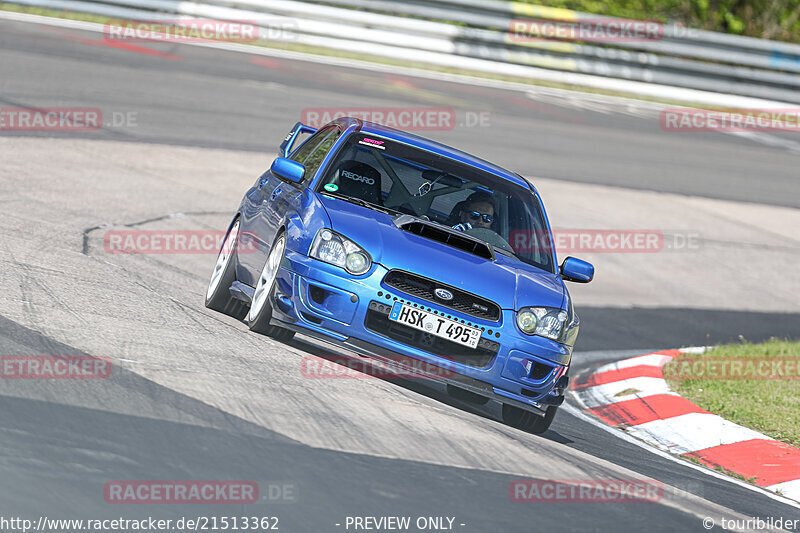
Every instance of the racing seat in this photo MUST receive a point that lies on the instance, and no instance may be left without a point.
(360, 180)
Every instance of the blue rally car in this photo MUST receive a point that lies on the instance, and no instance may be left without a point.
(393, 245)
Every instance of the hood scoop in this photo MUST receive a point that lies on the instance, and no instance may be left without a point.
(445, 235)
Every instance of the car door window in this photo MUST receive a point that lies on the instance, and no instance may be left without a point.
(313, 151)
(313, 161)
(302, 153)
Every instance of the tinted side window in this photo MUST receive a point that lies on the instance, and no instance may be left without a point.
(314, 160)
(302, 153)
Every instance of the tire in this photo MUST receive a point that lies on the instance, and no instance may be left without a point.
(466, 396)
(527, 421)
(218, 297)
(260, 311)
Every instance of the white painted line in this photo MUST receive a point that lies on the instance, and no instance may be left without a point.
(790, 489)
(697, 350)
(607, 393)
(692, 432)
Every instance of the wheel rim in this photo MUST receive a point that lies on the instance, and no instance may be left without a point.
(224, 257)
(267, 278)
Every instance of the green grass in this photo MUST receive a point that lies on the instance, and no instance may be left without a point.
(45, 12)
(770, 406)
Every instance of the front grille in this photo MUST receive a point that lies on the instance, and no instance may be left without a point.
(378, 321)
(424, 288)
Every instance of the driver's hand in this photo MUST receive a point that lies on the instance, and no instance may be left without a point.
(464, 226)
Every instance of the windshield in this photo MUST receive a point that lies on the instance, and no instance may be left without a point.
(408, 180)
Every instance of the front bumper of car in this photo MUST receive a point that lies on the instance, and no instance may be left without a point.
(326, 302)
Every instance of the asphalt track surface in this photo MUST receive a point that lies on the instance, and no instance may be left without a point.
(195, 396)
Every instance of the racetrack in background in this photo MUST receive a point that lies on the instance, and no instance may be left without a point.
(195, 394)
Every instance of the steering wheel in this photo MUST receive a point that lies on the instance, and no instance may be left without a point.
(490, 236)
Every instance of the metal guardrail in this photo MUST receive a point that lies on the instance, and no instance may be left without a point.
(682, 57)
(676, 41)
(477, 35)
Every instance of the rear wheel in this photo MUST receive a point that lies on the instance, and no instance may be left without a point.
(261, 308)
(218, 297)
(527, 421)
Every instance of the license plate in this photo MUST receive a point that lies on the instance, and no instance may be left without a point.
(435, 324)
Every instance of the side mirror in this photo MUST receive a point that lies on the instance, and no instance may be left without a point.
(288, 142)
(288, 169)
(576, 270)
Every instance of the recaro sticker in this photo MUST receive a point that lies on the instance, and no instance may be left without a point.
(356, 177)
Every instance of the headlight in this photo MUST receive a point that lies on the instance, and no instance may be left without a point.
(527, 321)
(356, 262)
(549, 322)
(338, 250)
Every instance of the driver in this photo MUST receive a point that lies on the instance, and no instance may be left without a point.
(476, 212)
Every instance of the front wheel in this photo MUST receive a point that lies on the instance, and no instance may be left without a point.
(261, 308)
(218, 297)
(527, 421)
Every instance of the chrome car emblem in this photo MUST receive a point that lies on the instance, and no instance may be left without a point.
(443, 294)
